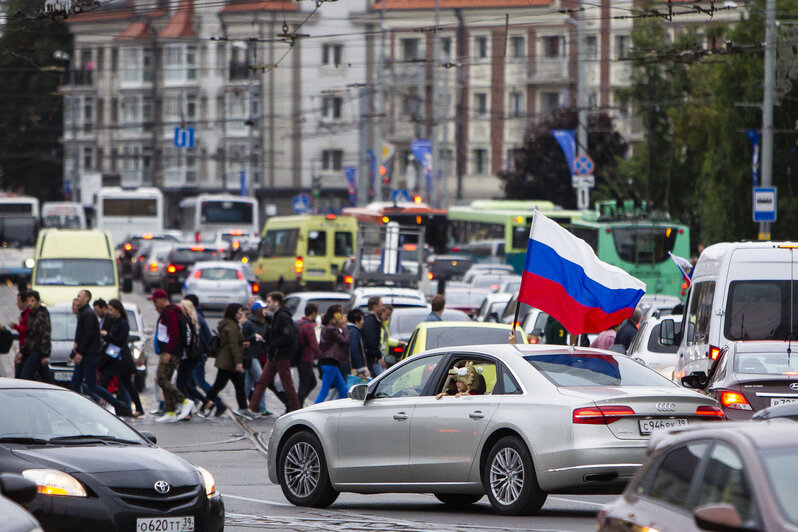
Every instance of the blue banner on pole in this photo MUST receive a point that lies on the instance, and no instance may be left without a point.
(567, 140)
(753, 136)
(372, 172)
(243, 182)
(351, 182)
(422, 151)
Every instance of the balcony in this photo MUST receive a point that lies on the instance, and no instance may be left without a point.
(81, 77)
(550, 71)
(240, 71)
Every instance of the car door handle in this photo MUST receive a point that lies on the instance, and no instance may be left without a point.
(400, 416)
(476, 415)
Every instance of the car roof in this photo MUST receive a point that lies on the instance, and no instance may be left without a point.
(229, 264)
(761, 346)
(760, 435)
(22, 384)
(469, 324)
(378, 290)
(319, 295)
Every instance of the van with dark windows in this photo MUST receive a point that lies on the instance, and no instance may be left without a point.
(305, 252)
(739, 291)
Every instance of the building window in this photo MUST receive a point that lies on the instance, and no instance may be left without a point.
(332, 159)
(114, 111)
(88, 159)
(410, 49)
(137, 65)
(592, 100)
(131, 164)
(480, 161)
(550, 101)
(331, 107)
(621, 46)
(180, 63)
(512, 158)
(114, 60)
(446, 47)
(517, 46)
(331, 54)
(180, 166)
(591, 47)
(553, 46)
(88, 114)
(238, 111)
(516, 104)
(481, 47)
(480, 103)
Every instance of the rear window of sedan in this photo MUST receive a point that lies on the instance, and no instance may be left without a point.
(452, 336)
(577, 369)
(766, 363)
(191, 256)
(219, 274)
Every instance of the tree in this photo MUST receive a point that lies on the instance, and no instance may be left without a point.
(31, 156)
(541, 170)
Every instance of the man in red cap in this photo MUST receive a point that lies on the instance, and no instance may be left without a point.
(167, 345)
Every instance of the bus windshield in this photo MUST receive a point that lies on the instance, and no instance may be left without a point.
(644, 245)
(75, 272)
(130, 207)
(18, 231)
(226, 212)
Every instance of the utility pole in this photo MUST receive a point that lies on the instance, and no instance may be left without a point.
(381, 115)
(582, 192)
(767, 105)
(247, 184)
(435, 164)
(271, 105)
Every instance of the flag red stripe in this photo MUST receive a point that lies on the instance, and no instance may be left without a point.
(552, 298)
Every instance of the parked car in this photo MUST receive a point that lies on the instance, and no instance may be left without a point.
(14, 491)
(154, 271)
(180, 260)
(95, 472)
(725, 476)
(492, 281)
(750, 376)
(534, 326)
(62, 326)
(433, 334)
(647, 348)
(466, 300)
(219, 283)
(405, 320)
(549, 420)
(398, 297)
(297, 301)
(449, 267)
(786, 411)
(492, 307)
(127, 251)
(487, 269)
(509, 284)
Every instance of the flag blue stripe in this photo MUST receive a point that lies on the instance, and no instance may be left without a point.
(542, 260)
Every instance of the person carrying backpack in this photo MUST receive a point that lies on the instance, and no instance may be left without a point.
(229, 360)
(193, 353)
(167, 345)
(206, 338)
(283, 343)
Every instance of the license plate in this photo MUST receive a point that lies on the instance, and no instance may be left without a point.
(165, 524)
(783, 400)
(316, 272)
(61, 376)
(647, 426)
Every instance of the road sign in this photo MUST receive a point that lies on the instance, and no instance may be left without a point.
(387, 150)
(301, 203)
(184, 137)
(764, 204)
(583, 165)
(400, 195)
(582, 198)
(579, 181)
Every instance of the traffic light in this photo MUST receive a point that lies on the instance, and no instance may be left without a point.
(417, 198)
(316, 191)
(386, 178)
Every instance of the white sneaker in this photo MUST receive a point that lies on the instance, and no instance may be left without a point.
(169, 417)
(185, 409)
(243, 412)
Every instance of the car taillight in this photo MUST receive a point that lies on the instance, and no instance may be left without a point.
(299, 266)
(128, 247)
(532, 339)
(348, 279)
(198, 274)
(171, 268)
(734, 400)
(601, 415)
(429, 276)
(713, 352)
(710, 412)
(239, 275)
(494, 287)
(153, 266)
(397, 349)
(255, 288)
(197, 237)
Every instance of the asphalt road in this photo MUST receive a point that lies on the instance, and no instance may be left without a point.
(235, 453)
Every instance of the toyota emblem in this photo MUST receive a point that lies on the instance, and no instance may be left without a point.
(162, 487)
(794, 386)
(666, 407)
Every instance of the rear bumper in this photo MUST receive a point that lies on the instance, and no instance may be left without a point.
(605, 469)
(15, 273)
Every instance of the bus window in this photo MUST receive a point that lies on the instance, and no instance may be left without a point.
(644, 245)
(317, 243)
(226, 212)
(587, 234)
(343, 244)
(16, 232)
(279, 243)
(130, 207)
(520, 237)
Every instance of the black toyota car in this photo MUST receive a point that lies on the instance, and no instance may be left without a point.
(95, 472)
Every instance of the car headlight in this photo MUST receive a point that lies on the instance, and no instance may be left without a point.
(53, 482)
(136, 352)
(29, 262)
(207, 479)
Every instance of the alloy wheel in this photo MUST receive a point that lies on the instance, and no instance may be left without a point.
(507, 476)
(302, 469)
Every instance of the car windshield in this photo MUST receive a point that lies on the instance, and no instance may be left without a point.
(583, 369)
(62, 326)
(404, 323)
(75, 272)
(193, 255)
(779, 363)
(466, 299)
(781, 470)
(451, 336)
(46, 414)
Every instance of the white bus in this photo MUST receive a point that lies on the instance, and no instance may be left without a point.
(63, 215)
(19, 227)
(202, 216)
(124, 212)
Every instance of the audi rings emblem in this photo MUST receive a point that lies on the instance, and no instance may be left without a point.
(666, 407)
(794, 386)
(162, 487)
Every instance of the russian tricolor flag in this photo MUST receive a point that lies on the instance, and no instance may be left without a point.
(564, 278)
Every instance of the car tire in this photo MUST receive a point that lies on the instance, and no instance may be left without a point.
(140, 381)
(509, 478)
(458, 500)
(308, 482)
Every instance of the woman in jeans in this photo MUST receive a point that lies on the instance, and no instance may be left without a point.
(185, 371)
(123, 367)
(229, 360)
(334, 348)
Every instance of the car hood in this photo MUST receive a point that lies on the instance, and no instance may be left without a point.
(97, 459)
(60, 350)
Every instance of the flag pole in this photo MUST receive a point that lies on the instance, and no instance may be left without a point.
(518, 303)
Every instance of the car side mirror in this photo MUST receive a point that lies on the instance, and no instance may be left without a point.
(358, 392)
(718, 517)
(697, 380)
(149, 436)
(17, 488)
(667, 332)
(127, 285)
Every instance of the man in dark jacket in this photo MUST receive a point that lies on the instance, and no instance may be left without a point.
(629, 329)
(255, 332)
(310, 352)
(357, 359)
(372, 332)
(205, 336)
(554, 332)
(282, 341)
(37, 341)
(167, 345)
(87, 354)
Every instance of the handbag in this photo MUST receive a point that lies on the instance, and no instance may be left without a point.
(113, 351)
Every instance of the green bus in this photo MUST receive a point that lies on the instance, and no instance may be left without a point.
(620, 233)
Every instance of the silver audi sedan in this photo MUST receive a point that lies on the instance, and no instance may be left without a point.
(528, 420)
